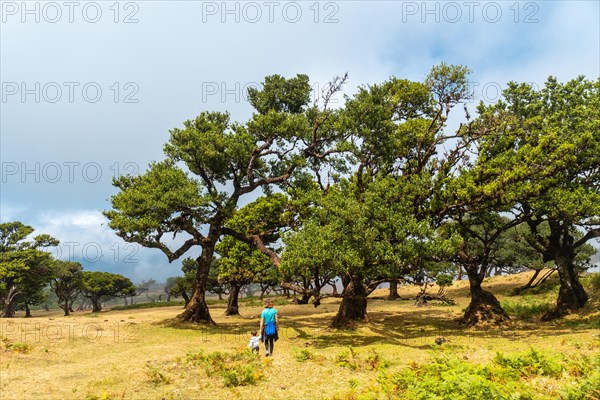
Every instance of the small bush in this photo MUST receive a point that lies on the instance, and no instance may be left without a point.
(17, 347)
(374, 361)
(242, 375)
(304, 355)
(155, 376)
(237, 369)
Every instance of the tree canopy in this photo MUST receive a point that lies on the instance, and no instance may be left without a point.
(376, 190)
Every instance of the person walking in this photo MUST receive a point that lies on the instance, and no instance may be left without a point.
(269, 325)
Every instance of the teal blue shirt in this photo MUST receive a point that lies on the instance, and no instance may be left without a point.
(268, 314)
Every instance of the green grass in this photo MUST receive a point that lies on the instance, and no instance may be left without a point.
(526, 308)
(136, 354)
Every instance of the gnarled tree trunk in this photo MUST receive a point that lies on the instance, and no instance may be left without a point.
(484, 306)
(304, 299)
(354, 303)
(7, 309)
(196, 309)
(232, 302)
(571, 295)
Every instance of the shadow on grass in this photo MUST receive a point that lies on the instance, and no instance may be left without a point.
(411, 327)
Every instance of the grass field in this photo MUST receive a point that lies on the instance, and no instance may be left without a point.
(145, 354)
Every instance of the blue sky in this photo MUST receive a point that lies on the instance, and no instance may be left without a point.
(91, 89)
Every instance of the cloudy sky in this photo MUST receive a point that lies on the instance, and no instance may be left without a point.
(91, 89)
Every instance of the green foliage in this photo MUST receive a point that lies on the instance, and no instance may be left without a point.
(588, 376)
(98, 286)
(538, 155)
(106, 284)
(67, 282)
(448, 376)
(531, 363)
(25, 269)
(281, 95)
(240, 263)
(444, 280)
(236, 369)
(211, 163)
(592, 281)
(508, 377)
(378, 187)
(178, 285)
(526, 307)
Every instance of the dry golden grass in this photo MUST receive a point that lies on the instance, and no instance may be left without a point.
(112, 355)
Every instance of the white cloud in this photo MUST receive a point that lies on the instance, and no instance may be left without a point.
(86, 238)
(172, 51)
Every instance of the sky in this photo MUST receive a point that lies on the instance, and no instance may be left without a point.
(91, 89)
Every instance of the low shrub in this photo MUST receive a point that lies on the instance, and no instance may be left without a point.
(518, 376)
(449, 377)
(531, 363)
(237, 369)
(17, 347)
(155, 376)
(304, 355)
(587, 387)
(525, 308)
